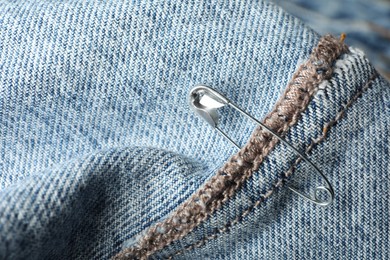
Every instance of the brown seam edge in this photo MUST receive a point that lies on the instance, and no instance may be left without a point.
(281, 181)
(242, 165)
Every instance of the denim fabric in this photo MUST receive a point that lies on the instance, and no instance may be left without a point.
(355, 158)
(367, 24)
(98, 142)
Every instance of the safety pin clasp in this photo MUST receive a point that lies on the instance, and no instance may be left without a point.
(205, 101)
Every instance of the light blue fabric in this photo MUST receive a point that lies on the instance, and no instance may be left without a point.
(366, 23)
(97, 141)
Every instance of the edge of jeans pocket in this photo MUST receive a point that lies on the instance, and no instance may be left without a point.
(287, 174)
(241, 166)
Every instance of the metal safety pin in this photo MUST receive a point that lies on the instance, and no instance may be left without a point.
(205, 101)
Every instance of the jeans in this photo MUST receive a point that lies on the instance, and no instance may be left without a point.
(366, 23)
(98, 143)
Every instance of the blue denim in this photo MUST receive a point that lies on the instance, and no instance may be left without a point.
(367, 24)
(98, 141)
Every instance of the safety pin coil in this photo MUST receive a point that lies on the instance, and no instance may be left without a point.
(205, 101)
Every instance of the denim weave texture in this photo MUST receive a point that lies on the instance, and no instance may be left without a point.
(367, 24)
(98, 143)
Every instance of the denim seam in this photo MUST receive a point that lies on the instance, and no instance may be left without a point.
(222, 186)
(280, 181)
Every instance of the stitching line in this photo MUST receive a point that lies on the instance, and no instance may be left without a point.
(288, 173)
(242, 165)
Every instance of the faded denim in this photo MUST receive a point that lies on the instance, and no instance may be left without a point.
(367, 24)
(98, 142)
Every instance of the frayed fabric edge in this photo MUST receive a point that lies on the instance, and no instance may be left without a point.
(222, 186)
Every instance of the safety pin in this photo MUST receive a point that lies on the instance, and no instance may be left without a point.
(205, 101)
